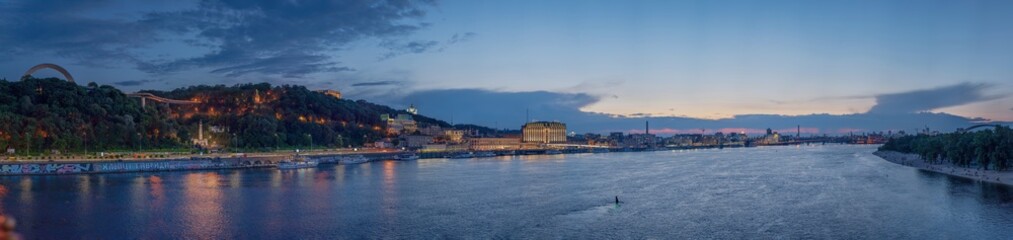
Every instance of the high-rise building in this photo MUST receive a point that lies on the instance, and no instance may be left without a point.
(544, 132)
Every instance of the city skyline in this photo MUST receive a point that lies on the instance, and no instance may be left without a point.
(685, 65)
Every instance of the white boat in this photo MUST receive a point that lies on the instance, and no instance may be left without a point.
(357, 159)
(406, 157)
(485, 154)
(463, 155)
(297, 162)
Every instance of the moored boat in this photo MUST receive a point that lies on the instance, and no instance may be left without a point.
(463, 155)
(297, 162)
(485, 154)
(406, 157)
(354, 159)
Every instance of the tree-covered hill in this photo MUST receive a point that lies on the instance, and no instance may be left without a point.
(46, 114)
(988, 149)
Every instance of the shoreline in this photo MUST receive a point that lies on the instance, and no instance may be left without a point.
(67, 166)
(915, 161)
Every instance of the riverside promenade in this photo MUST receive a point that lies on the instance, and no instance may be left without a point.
(915, 161)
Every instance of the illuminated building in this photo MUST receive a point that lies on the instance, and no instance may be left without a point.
(332, 93)
(544, 132)
(200, 140)
(402, 123)
(454, 136)
(771, 138)
(411, 109)
(485, 144)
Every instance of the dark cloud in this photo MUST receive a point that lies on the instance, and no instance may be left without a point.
(132, 83)
(508, 110)
(397, 49)
(58, 28)
(488, 107)
(929, 99)
(380, 83)
(286, 38)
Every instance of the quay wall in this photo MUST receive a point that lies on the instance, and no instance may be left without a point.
(86, 167)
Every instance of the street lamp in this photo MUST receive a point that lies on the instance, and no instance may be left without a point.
(311, 141)
(140, 141)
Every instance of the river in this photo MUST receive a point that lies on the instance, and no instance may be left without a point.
(767, 192)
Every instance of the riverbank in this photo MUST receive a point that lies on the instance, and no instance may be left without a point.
(915, 161)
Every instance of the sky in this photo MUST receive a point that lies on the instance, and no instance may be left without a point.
(834, 66)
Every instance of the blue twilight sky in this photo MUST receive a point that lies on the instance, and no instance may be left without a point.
(598, 65)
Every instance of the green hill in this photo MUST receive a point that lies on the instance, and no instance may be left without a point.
(45, 114)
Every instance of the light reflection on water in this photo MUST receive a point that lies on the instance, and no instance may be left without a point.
(204, 215)
(777, 192)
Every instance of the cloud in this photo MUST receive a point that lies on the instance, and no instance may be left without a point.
(233, 38)
(510, 110)
(461, 37)
(379, 83)
(487, 107)
(397, 48)
(929, 99)
(132, 83)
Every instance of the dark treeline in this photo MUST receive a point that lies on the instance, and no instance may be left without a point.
(988, 149)
(45, 114)
(40, 115)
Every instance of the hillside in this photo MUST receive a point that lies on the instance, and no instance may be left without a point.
(56, 114)
(986, 149)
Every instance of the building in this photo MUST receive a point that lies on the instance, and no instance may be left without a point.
(200, 140)
(383, 144)
(454, 136)
(487, 144)
(416, 141)
(770, 138)
(332, 93)
(431, 130)
(402, 123)
(640, 140)
(544, 132)
(411, 109)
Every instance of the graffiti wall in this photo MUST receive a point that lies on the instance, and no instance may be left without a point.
(49, 168)
(158, 166)
(106, 167)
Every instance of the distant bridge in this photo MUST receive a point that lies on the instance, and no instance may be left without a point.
(979, 126)
(147, 96)
(143, 96)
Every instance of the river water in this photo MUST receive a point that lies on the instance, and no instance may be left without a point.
(768, 192)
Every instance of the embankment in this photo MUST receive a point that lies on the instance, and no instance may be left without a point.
(915, 161)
